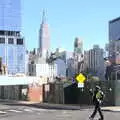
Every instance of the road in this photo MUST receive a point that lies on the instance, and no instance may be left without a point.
(31, 113)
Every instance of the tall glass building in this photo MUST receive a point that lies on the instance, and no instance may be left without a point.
(10, 15)
(12, 44)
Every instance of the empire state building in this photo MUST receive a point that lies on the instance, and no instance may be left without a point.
(44, 37)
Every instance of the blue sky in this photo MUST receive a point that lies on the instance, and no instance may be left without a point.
(67, 19)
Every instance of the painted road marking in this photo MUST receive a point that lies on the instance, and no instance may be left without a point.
(17, 111)
(2, 112)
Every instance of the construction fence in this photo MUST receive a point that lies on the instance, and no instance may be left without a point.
(63, 93)
(71, 94)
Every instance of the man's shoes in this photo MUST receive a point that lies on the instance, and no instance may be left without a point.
(100, 119)
(90, 118)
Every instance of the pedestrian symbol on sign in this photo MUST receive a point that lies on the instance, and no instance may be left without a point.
(80, 78)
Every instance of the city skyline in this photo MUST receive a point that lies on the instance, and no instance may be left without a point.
(67, 20)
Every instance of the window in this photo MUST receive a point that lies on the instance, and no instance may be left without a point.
(10, 41)
(2, 40)
(19, 41)
(17, 33)
(10, 33)
(2, 33)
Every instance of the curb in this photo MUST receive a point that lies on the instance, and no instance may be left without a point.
(107, 110)
(52, 106)
(42, 105)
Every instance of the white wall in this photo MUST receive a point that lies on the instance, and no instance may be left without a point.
(21, 80)
(42, 70)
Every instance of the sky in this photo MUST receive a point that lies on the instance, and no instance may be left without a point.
(67, 19)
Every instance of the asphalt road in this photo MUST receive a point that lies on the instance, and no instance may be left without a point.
(31, 113)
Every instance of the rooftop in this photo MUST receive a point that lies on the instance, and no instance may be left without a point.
(114, 20)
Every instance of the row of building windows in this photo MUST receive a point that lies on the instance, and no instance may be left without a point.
(11, 41)
(10, 33)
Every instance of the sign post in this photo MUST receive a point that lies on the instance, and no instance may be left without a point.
(80, 79)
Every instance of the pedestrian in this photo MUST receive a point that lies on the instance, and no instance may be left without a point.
(97, 97)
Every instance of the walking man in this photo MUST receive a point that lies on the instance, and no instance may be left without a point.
(97, 96)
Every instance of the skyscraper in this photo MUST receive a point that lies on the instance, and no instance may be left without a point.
(114, 40)
(44, 37)
(114, 29)
(78, 55)
(94, 61)
(12, 44)
(10, 15)
(78, 45)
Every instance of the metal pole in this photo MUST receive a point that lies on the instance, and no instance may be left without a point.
(111, 75)
(79, 98)
(116, 75)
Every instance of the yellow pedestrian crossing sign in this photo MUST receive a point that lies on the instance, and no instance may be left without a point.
(80, 78)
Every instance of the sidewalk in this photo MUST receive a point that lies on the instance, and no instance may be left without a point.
(4, 104)
(44, 105)
(112, 108)
(69, 107)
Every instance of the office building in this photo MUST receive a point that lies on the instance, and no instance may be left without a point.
(94, 61)
(10, 15)
(12, 44)
(114, 29)
(114, 40)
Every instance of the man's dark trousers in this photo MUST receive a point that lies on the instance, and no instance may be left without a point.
(97, 108)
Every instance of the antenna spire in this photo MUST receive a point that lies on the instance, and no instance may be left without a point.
(44, 17)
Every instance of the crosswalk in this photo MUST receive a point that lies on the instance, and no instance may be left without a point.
(28, 110)
(17, 111)
(2, 112)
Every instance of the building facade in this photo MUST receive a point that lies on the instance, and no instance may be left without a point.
(61, 68)
(70, 70)
(10, 15)
(12, 44)
(78, 55)
(114, 40)
(114, 29)
(42, 69)
(37, 66)
(94, 61)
